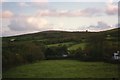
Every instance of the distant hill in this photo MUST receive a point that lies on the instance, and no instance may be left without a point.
(62, 35)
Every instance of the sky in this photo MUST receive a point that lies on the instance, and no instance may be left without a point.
(30, 16)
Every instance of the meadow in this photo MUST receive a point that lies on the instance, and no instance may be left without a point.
(63, 69)
(70, 45)
(59, 44)
(77, 46)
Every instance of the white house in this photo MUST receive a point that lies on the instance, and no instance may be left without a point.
(12, 40)
(64, 55)
(116, 55)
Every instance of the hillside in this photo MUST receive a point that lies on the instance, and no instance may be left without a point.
(47, 45)
(62, 35)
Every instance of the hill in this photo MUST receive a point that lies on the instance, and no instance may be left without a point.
(62, 35)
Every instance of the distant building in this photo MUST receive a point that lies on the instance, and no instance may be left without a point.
(64, 55)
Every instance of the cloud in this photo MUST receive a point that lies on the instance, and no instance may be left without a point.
(43, 5)
(1, 1)
(17, 24)
(7, 14)
(40, 4)
(70, 13)
(117, 25)
(91, 11)
(112, 9)
(39, 0)
(23, 4)
(29, 24)
(100, 26)
(38, 22)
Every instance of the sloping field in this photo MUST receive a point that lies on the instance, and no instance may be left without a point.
(66, 44)
(76, 46)
(70, 45)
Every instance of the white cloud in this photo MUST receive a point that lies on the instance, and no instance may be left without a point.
(38, 22)
(40, 0)
(29, 24)
(1, 1)
(111, 7)
(70, 13)
(23, 4)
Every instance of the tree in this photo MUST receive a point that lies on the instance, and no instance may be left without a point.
(18, 53)
(56, 52)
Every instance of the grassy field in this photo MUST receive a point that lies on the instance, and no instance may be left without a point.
(70, 45)
(63, 69)
(76, 46)
(66, 44)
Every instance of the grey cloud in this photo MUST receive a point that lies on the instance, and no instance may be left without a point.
(17, 25)
(100, 26)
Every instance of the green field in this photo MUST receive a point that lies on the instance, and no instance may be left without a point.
(70, 45)
(64, 69)
(66, 44)
(76, 46)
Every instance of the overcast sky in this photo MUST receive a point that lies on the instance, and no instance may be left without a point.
(23, 16)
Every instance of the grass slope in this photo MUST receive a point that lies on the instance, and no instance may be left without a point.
(77, 46)
(70, 45)
(64, 69)
(66, 44)
(47, 36)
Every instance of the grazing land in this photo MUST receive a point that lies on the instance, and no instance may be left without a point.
(64, 69)
(70, 45)
(59, 44)
(77, 46)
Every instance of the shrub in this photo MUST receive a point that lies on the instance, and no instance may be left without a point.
(17, 53)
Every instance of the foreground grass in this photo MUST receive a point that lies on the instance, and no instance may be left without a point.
(64, 69)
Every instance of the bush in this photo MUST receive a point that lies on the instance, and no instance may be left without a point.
(56, 52)
(18, 53)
